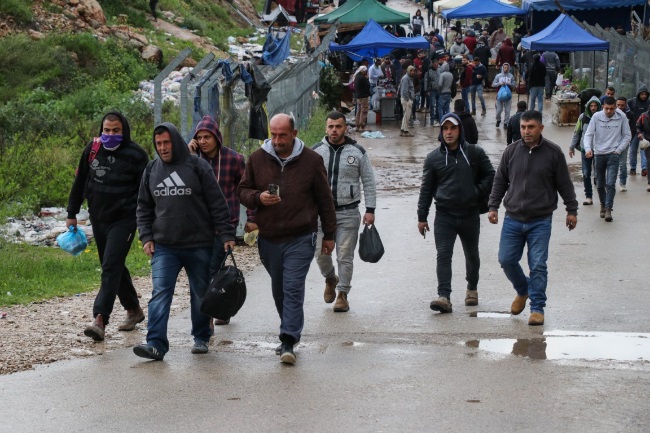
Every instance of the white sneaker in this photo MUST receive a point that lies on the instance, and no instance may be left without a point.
(623, 188)
(416, 122)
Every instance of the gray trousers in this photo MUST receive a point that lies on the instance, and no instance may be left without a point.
(347, 234)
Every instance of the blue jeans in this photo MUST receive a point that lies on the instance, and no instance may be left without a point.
(464, 93)
(634, 150)
(606, 171)
(347, 233)
(433, 106)
(443, 105)
(537, 95)
(166, 264)
(536, 234)
(477, 89)
(445, 230)
(287, 264)
(622, 167)
(587, 165)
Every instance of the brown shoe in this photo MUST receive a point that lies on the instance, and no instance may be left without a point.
(536, 319)
(96, 330)
(471, 298)
(518, 304)
(602, 211)
(608, 215)
(407, 134)
(644, 172)
(330, 289)
(133, 317)
(441, 304)
(341, 305)
(221, 322)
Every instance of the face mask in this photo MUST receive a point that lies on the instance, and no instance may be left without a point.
(111, 142)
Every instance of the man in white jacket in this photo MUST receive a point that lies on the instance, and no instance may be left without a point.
(504, 79)
(607, 136)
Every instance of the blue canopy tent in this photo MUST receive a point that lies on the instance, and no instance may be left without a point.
(374, 41)
(483, 9)
(276, 50)
(607, 13)
(564, 34)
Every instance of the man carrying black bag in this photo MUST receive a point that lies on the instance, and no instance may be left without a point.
(459, 176)
(180, 211)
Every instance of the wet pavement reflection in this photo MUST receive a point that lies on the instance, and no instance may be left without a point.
(590, 346)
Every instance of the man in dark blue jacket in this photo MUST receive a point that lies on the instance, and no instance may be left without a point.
(458, 175)
(180, 211)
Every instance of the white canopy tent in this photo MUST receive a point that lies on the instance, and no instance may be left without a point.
(448, 4)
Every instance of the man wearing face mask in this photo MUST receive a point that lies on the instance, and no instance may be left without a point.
(108, 176)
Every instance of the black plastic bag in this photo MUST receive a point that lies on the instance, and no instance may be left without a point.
(370, 247)
(226, 293)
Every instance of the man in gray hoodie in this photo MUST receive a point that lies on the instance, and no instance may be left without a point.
(180, 211)
(607, 136)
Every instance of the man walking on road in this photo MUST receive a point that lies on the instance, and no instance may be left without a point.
(458, 175)
(638, 105)
(108, 176)
(607, 136)
(529, 211)
(287, 183)
(348, 167)
(407, 97)
(180, 211)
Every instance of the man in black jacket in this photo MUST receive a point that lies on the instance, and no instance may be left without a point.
(532, 172)
(108, 176)
(513, 133)
(469, 125)
(459, 176)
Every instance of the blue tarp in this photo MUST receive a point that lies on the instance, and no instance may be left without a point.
(374, 41)
(483, 9)
(564, 35)
(275, 50)
(550, 5)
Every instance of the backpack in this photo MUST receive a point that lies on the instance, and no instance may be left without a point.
(97, 142)
(226, 293)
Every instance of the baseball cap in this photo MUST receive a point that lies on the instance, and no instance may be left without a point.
(451, 119)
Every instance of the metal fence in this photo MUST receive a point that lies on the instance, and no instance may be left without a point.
(625, 67)
(294, 90)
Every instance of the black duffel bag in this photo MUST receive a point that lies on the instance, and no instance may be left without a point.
(370, 246)
(226, 293)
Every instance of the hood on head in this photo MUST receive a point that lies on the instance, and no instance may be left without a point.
(179, 148)
(508, 67)
(641, 90)
(461, 138)
(210, 125)
(126, 129)
(507, 42)
(593, 99)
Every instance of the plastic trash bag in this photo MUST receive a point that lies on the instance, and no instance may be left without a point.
(372, 134)
(73, 241)
(644, 144)
(504, 94)
(371, 249)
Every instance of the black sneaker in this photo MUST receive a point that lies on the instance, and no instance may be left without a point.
(498, 123)
(200, 347)
(286, 354)
(148, 351)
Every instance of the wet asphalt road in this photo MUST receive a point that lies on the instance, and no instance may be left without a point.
(391, 364)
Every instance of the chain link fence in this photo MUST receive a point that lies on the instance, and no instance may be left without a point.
(625, 68)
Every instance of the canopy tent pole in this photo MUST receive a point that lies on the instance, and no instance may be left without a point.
(607, 71)
(593, 72)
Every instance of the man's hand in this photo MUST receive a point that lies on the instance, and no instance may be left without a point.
(268, 199)
(589, 154)
(71, 222)
(572, 152)
(250, 227)
(571, 221)
(193, 145)
(229, 245)
(493, 217)
(423, 228)
(369, 218)
(328, 247)
(148, 248)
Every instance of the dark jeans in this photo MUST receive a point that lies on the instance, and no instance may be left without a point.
(551, 76)
(287, 264)
(606, 171)
(113, 244)
(587, 165)
(218, 254)
(445, 230)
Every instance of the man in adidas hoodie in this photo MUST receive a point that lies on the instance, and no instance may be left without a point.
(348, 167)
(180, 211)
(108, 176)
(287, 217)
(607, 136)
(458, 175)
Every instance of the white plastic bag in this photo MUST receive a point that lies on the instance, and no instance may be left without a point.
(559, 80)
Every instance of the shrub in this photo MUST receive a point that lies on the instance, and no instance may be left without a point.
(20, 10)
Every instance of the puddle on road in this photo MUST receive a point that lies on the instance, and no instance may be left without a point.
(590, 346)
(490, 314)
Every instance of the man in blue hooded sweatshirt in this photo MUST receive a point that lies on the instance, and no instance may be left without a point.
(458, 175)
(180, 211)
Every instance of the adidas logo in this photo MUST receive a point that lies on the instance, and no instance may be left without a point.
(172, 185)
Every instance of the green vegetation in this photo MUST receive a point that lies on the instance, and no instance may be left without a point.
(30, 273)
(20, 10)
(315, 129)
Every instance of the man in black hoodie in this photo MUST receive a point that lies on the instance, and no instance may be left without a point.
(180, 211)
(108, 176)
(469, 125)
(459, 176)
(638, 105)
